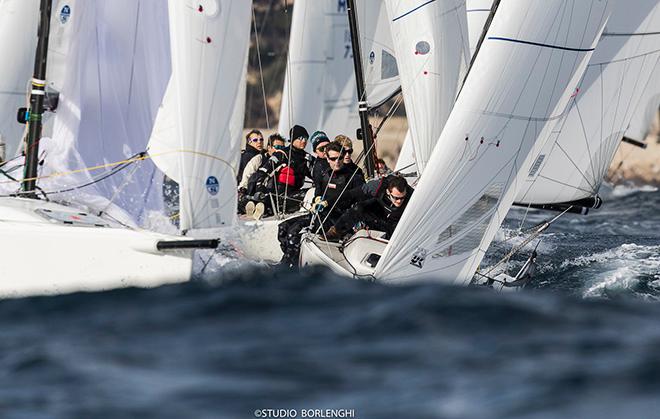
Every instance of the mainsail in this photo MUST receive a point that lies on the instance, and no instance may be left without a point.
(431, 43)
(302, 97)
(210, 41)
(18, 20)
(533, 56)
(319, 87)
(574, 161)
(381, 73)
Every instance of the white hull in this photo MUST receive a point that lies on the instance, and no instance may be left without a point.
(49, 248)
(352, 258)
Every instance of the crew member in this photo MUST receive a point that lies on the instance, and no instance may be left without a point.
(254, 144)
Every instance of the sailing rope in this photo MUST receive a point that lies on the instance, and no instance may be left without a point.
(121, 187)
(116, 168)
(535, 232)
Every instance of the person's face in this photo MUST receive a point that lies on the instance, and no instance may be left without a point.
(300, 143)
(320, 149)
(277, 145)
(256, 141)
(348, 157)
(396, 196)
(334, 160)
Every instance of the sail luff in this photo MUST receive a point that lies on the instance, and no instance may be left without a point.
(520, 82)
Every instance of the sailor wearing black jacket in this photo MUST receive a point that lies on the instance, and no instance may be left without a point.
(335, 192)
(298, 161)
(254, 144)
(337, 187)
(381, 213)
(319, 142)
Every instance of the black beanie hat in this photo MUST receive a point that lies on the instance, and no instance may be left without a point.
(317, 138)
(296, 132)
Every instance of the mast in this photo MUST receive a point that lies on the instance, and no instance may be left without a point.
(363, 108)
(491, 16)
(37, 99)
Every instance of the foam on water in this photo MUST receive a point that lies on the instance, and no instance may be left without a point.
(623, 190)
(629, 267)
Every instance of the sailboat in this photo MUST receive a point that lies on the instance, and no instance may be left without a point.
(320, 88)
(520, 82)
(57, 247)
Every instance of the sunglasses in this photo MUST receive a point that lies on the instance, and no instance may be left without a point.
(348, 150)
(257, 140)
(279, 147)
(321, 148)
(396, 198)
(333, 158)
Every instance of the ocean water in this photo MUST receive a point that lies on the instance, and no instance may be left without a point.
(582, 342)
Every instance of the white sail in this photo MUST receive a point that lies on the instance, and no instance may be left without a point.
(340, 109)
(209, 43)
(521, 80)
(114, 73)
(61, 38)
(575, 160)
(381, 74)
(406, 162)
(319, 87)
(302, 97)
(477, 14)
(431, 42)
(18, 39)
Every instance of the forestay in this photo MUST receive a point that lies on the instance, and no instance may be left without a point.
(18, 40)
(111, 61)
(210, 41)
(532, 58)
(623, 70)
(432, 46)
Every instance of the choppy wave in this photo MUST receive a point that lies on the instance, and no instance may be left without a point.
(582, 342)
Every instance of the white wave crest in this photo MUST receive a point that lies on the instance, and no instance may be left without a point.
(618, 269)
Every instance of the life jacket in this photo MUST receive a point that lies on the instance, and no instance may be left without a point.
(286, 176)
